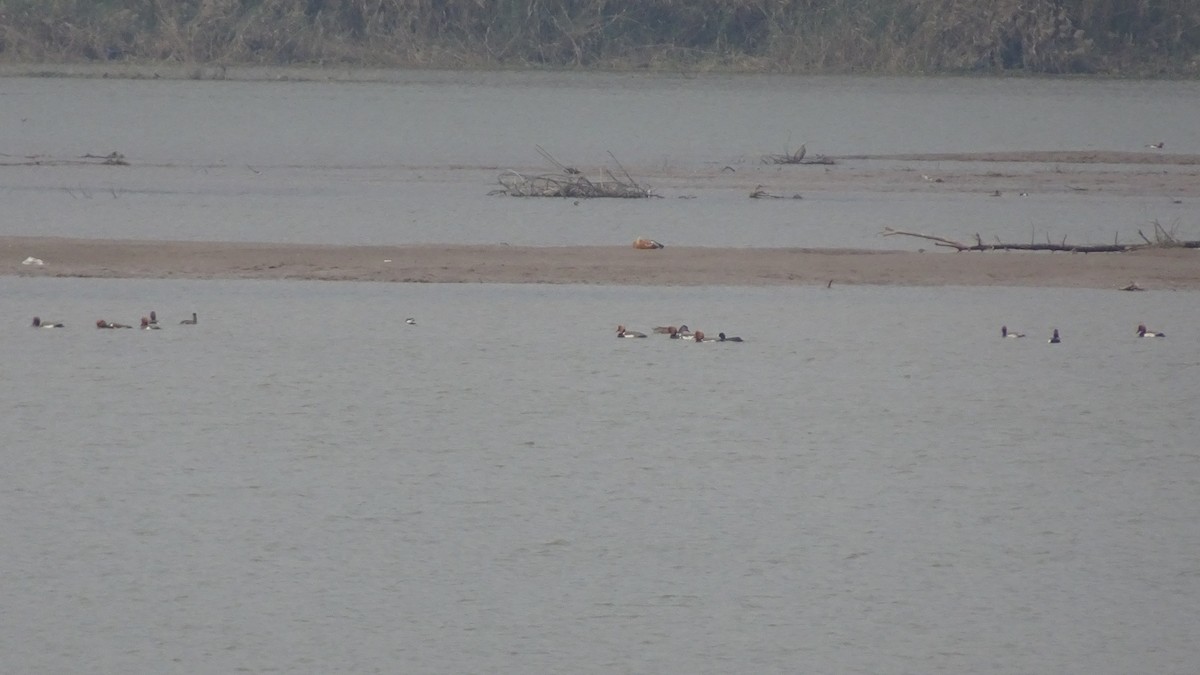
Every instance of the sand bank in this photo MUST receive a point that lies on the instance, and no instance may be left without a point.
(1150, 269)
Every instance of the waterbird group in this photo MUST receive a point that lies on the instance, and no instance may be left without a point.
(681, 332)
(1055, 338)
(147, 323)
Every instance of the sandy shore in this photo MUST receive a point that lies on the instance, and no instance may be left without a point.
(1150, 269)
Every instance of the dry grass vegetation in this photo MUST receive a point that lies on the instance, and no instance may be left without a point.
(1124, 37)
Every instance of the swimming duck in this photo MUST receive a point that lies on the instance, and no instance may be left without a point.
(38, 323)
(153, 318)
(1157, 146)
(622, 333)
(189, 322)
(1004, 333)
(665, 329)
(146, 325)
(1054, 339)
(1142, 332)
(410, 321)
(101, 323)
(721, 338)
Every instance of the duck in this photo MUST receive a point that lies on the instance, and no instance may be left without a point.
(665, 329)
(622, 333)
(721, 338)
(101, 323)
(1005, 333)
(1157, 146)
(38, 323)
(146, 325)
(698, 336)
(190, 322)
(153, 318)
(1142, 332)
(1054, 339)
(410, 321)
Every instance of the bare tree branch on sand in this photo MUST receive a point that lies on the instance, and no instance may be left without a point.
(796, 157)
(571, 182)
(1162, 239)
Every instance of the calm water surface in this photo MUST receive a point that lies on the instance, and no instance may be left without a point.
(874, 482)
(413, 160)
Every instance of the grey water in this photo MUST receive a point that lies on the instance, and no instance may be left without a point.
(413, 160)
(873, 482)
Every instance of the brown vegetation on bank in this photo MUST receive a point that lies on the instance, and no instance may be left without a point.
(886, 36)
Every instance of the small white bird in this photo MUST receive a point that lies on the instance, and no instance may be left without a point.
(410, 321)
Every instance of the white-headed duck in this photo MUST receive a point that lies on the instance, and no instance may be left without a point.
(1142, 332)
(1054, 339)
(622, 333)
(722, 338)
(146, 325)
(1006, 333)
(38, 323)
(189, 322)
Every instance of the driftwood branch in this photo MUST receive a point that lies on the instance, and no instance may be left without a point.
(796, 157)
(570, 182)
(1163, 240)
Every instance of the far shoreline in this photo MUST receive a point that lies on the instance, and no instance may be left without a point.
(1148, 269)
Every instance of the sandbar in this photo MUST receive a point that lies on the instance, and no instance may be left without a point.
(1148, 269)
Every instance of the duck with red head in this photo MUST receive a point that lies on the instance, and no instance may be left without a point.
(146, 325)
(38, 323)
(1143, 333)
(622, 333)
(101, 323)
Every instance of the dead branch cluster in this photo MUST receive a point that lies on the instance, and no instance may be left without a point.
(797, 157)
(571, 182)
(1162, 239)
(111, 159)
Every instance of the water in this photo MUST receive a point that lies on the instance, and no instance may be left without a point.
(874, 482)
(413, 160)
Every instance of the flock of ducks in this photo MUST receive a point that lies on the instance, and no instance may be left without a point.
(1142, 332)
(677, 333)
(148, 323)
